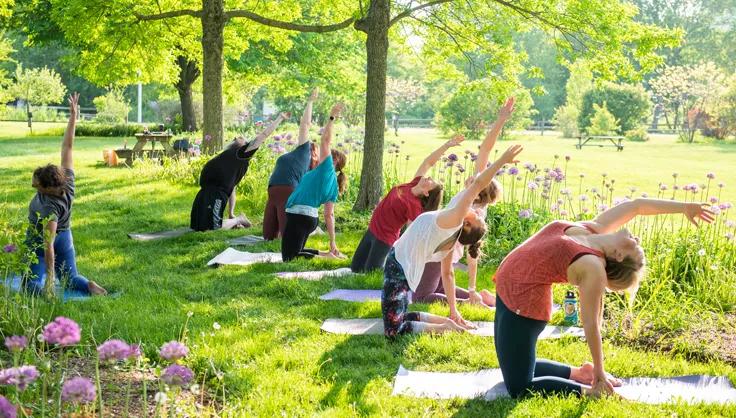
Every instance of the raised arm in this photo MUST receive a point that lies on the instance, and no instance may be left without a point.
(448, 283)
(306, 121)
(432, 158)
(326, 140)
(617, 216)
(67, 160)
(256, 143)
(455, 215)
(484, 152)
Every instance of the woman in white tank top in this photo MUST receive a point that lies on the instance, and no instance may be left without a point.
(431, 237)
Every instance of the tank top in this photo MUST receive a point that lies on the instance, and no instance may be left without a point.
(525, 277)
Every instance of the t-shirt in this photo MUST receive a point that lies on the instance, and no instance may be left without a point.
(420, 243)
(317, 187)
(226, 169)
(291, 166)
(394, 211)
(54, 208)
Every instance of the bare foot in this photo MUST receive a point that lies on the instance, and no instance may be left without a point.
(582, 374)
(96, 289)
(242, 220)
(488, 297)
(328, 255)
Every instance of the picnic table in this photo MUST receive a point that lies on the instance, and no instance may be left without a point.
(615, 141)
(142, 139)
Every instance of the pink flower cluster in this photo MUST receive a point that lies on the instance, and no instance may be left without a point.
(117, 350)
(7, 409)
(62, 331)
(78, 390)
(19, 377)
(173, 351)
(177, 375)
(16, 343)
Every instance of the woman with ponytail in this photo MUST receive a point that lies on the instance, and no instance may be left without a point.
(320, 186)
(430, 288)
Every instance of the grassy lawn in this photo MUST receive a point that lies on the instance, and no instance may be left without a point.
(273, 356)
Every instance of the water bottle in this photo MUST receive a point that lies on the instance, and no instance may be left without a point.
(570, 306)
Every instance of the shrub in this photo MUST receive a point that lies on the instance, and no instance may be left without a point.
(638, 135)
(566, 118)
(98, 129)
(111, 108)
(602, 122)
(40, 114)
(629, 104)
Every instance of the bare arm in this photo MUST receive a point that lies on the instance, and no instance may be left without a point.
(326, 139)
(448, 218)
(617, 216)
(67, 160)
(50, 256)
(432, 158)
(330, 222)
(472, 273)
(484, 152)
(231, 204)
(306, 121)
(268, 131)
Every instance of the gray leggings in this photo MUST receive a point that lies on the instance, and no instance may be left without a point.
(430, 286)
(370, 255)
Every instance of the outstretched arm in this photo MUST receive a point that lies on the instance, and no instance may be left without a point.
(326, 140)
(617, 216)
(306, 121)
(231, 204)
(448, 283)
(67, 161)
(448, 218)
(258, 141)
(432, 158)
(484, 152)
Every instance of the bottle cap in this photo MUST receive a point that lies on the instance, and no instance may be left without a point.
(570, 294)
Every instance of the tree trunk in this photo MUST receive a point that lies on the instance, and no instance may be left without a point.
(213, 27)
(188, 74)
(375, 25)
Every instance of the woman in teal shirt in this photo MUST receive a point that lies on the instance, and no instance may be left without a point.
(322, 185)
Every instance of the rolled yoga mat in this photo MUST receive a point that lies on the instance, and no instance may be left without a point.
(316, 275)
(374, 326)
(243, 258)
(160, 235)
(488, 384)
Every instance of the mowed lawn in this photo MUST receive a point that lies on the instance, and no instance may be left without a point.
(274, 359)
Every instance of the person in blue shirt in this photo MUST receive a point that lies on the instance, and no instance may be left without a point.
(286, 175)
(320, 186)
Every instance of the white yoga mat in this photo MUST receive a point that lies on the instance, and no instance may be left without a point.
(246, 240)
(160, 235)
(373, 326)
(488, 384)
(353, 295)
(243, 258)
(317, 275)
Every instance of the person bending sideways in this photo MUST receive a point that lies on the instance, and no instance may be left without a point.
(431, 237)
(218, 180)
(320, 186)
(402, 205)
(287, 174)
(430, 287)
(49, 215)
(593, 256)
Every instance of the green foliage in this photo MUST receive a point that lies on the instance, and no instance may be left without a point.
(629, 104)
(38, 86)
(110, 130)
(566, 119)
(40, 114)
(638, 135)
(112, 108)
(602, 122)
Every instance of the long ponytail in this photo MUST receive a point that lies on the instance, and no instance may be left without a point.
(339, 159)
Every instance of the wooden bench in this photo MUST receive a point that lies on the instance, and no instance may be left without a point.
(607, 141)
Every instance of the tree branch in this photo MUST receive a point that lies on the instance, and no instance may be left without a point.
(166, 15)
(408, 12)
(289, 25)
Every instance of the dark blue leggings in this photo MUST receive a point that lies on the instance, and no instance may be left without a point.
(65, 266)
(516, 347)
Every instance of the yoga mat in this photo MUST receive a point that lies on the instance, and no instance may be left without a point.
(373, 326)
(69, 295)
(246, 240)
(316, 275)
(353, 295)
(488, 384)
(160, 235)
(243, 258)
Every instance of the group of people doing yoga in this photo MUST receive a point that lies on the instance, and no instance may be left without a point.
(594, 256)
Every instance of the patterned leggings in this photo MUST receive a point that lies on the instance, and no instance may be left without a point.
(395, 300)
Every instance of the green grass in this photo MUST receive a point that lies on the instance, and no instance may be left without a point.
(274, 358)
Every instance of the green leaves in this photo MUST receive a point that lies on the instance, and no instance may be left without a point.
(38, 86)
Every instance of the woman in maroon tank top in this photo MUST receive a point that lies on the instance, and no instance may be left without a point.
(593, 256)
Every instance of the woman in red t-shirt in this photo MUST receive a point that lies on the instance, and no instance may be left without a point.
(402, 204)
(593, 256)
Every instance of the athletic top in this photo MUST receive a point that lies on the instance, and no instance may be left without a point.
(317, 187)
(291, 166)
(525, 277)
(226, 169)
(420, 242)
(53, 208)
(394, 211)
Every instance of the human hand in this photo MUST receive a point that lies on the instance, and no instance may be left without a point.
(337, 110)
(459, 320)
(506, 110)
(315, 93)
(509, 157)
(455, 141)
(476, 299)
(700, 211)
(74, 105)
(285, 115)
(603, 385)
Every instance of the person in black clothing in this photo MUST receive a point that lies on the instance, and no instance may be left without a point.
(218, 180)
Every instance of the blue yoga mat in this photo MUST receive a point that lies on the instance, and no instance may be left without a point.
(70, 295)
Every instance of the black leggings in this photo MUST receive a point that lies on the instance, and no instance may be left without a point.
(296, 233)
(370, 254)
(516, 346)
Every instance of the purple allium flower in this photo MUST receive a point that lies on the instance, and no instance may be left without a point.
(560, 202)
(449, 164)
(177, 375)
(730, 224)
(461, 169)
(173, 350)
(7, 409)
(721, 185)
(500, 172)
(16, 343)
(602, 207)
(19, 377)
(525, 213)
(565, 192)
(519, 178)
(513, 171)
(586, 210)
(583, 198)
(725, 206)
(675, 187)
(208, 137)
(662, 187)
(715, 209)
(729, 235)
(78, 390)
(713, 200)
(711, 176)
(530, 166)
(554, 207)
(290, 142)
(473, 156)
(452, 157)
(532, 185)
(277, 138)
(10, 248)
(289, 136)
(563, 213)
(62, 331)
(114, 350)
